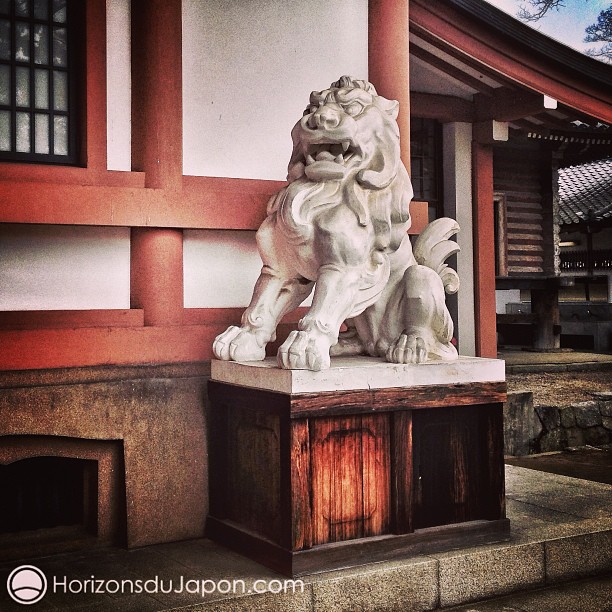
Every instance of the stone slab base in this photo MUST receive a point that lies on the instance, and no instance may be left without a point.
(354, 373)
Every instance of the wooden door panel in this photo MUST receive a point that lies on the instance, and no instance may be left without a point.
(350, 477)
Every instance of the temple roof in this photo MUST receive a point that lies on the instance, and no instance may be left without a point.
(489, 65)
(585, 192)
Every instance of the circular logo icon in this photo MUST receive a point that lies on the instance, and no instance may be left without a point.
(26, 584)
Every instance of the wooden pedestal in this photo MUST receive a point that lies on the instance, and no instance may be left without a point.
(305, 482)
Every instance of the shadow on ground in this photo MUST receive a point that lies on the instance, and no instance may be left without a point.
(594, 464)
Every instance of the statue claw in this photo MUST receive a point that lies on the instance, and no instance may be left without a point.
(304, 350)
(408, 348)
(238, 344)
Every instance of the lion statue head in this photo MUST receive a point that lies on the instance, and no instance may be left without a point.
(348, 140)
(347, 129)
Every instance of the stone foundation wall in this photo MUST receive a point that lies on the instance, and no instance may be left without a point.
(155, 413)
(552, 428)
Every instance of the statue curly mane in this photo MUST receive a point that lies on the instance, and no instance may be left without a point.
(346, 152)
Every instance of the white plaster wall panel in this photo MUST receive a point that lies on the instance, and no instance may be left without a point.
(55, 267)
(118, 85)
(219, 268)
(248, 69)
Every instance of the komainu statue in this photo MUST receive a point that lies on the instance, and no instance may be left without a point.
(340, 227)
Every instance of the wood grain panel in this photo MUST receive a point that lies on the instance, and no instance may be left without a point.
(337, 479)
(401, 471)
(285, 486)
(254, 470)
(391, 399)
(491, 435)
(447, 469)
(350, 468)
(301, 498)
(375, 451)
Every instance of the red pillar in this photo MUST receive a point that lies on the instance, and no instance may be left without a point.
(157, 106)
(157, 150)
(156, 275)
(484, 250)
(388, 60)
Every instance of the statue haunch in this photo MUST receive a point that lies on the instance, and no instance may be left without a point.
(339, 226)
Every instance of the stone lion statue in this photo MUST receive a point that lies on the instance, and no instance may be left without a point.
(340, 227)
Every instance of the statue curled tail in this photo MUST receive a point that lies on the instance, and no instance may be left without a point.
(433, 247)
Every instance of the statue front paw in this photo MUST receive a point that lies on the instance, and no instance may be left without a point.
(238, 344)
(408, 348)
(304, 350)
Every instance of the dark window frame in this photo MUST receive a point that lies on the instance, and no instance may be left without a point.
(75, 26)
(416, 131)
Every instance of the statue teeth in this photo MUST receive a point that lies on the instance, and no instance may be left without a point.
(345, 145)
(339, 159)
(309, 160)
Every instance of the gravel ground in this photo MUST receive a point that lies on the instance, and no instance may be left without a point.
(560, 388)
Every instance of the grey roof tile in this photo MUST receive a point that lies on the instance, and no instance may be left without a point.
(585, 191)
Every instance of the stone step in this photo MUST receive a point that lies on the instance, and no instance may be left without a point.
(561, 532)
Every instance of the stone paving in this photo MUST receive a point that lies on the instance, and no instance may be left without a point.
(532, 361)
(593, 595)
(561, 533)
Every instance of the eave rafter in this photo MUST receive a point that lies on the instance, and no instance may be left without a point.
(448, 27)
(460, 56)
(450, 70)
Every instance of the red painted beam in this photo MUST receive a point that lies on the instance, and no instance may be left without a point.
(68, 175)
(62, 348)
(226, 203)
(36, 349)
(62, 319)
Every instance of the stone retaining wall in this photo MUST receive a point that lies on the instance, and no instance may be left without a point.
(552, 428)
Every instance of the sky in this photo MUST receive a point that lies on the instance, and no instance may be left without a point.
(566, 25)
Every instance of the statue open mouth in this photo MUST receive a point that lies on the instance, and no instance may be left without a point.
(328, 161)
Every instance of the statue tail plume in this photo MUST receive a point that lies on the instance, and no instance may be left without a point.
(433, 247)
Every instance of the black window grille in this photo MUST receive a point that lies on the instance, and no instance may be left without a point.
(39, 51)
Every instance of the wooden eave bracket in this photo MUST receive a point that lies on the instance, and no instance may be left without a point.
(508, 104)
(445, 109)
(490, 132)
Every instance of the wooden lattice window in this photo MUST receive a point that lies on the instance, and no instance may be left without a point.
(39, 42)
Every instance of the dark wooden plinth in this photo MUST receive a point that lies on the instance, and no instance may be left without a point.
(312, 482)
(352, 553)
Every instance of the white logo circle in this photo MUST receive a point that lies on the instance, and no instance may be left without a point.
(26, 585)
